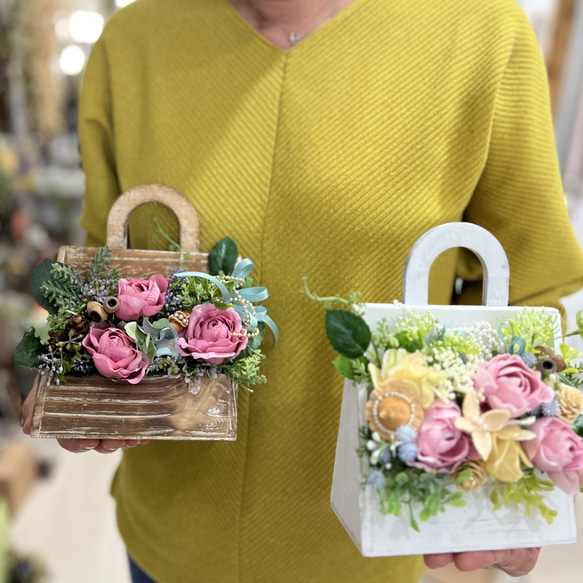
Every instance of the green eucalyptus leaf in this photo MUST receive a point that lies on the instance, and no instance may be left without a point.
(347, 332)
(42, 274)
(223, 257)
(143, 341)
(343, 366)
(401, 478)
(27, 352)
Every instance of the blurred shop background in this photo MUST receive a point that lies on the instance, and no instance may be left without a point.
(56, 518)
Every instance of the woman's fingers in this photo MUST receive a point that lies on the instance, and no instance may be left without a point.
(28, 407)
(514, 562)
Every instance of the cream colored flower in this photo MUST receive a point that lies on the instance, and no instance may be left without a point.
(506, 454)
(393, 405)
(481, 427)
(571, 403)
(478, 475)
(495, 438)
(409, 366)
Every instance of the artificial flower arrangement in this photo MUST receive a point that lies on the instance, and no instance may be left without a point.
(450, 411)
(191, 324)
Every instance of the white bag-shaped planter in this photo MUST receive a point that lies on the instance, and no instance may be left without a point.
(475, 526)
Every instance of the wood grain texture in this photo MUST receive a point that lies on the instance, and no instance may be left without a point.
(157, 408)
(125, 204)
(132, 262)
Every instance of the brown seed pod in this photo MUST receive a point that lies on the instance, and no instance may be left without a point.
(96, 312)
(111, 304)
(78, 325)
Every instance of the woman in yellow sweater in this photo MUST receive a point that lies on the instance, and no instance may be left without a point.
(325, 137)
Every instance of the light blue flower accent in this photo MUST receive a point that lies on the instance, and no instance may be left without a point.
(376, 480)
(407, 452)
(251, 294)
(406, 434)
(514, 345)
(551, 409)
(165, 338)
(529, 359)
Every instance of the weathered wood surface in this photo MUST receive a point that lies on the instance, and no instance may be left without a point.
(125, 204)
(133, 262)
(156, 408)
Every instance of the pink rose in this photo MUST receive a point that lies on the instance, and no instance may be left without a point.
(114, 353)
(140, 297)
(558, 451)
(441, 446)
(509, 384)
(211, 334)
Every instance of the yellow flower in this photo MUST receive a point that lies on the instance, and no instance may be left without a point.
(481, 427)
(504, 460)
(393, 405)
(495, 438)
(571, 403)
(408, 366)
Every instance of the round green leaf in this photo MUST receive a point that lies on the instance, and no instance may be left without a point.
(347, 332)
(223, 257)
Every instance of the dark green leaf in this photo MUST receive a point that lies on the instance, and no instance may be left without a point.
(42, 274)
(26, 353)
(578, 426)
(254, 342)
(347, 332)
(223, 257)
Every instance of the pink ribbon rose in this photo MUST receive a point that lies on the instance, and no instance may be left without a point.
(441, 446)
(211, 334)
(140, 297)
(558, 451)
(114, 353)
(507, 383)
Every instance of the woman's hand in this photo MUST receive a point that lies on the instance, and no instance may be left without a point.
(514, 562)
(76, 445)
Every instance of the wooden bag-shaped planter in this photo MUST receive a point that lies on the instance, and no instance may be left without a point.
(158, 407)
(475, 526)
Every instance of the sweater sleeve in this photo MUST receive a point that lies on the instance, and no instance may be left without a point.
(519, 196)
(97, 146)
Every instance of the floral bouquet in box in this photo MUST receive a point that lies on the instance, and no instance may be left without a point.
(191, 324)
(450, 410)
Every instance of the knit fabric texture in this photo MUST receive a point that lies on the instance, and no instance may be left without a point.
(327, 161)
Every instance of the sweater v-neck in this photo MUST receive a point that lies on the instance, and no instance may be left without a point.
(326, 29)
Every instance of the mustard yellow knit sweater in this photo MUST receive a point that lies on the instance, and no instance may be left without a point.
(327, 160)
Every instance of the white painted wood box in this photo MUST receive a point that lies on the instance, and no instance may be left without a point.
(475, 526)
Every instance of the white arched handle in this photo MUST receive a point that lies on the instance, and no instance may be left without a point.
(437, 240)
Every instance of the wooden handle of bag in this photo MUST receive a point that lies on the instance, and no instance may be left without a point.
(437, 240)
(130, 200)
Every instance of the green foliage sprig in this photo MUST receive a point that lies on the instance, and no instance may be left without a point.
(346, 331)
(63, 288)
(529, 491)
(99, 267)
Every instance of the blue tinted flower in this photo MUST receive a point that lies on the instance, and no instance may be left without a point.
(406, 434)
(407, 452)
(551, 409)
(376, 480)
